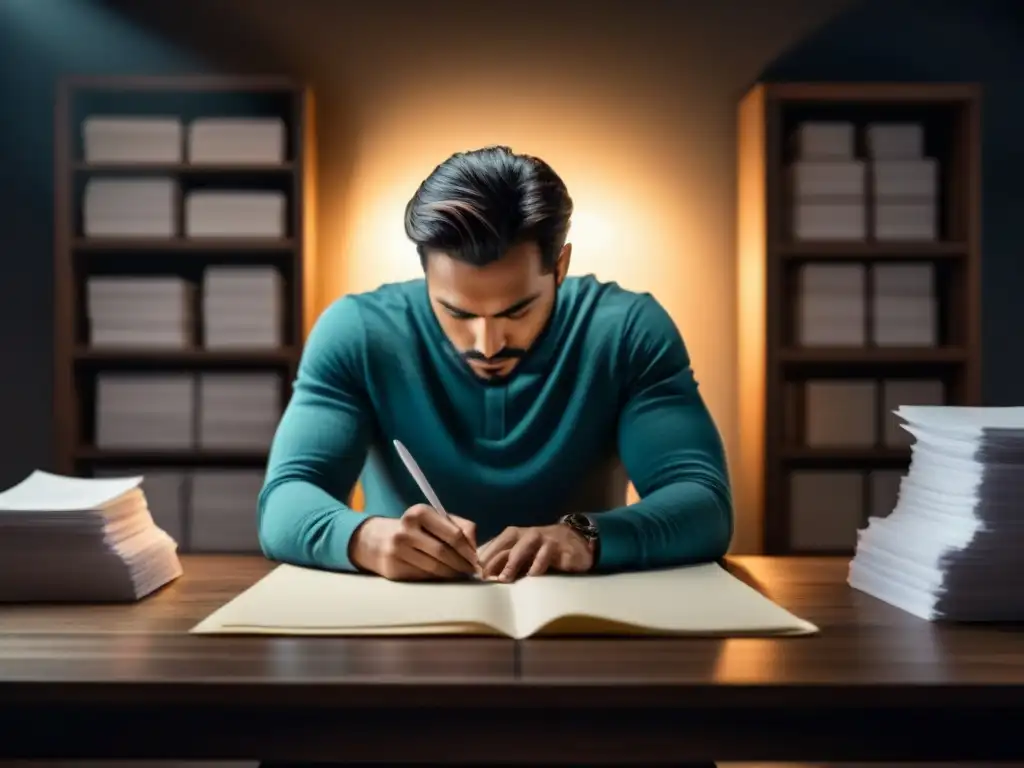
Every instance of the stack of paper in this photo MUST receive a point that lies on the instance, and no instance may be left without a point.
(827, 184)
(242, 307)
(66, 539)
(238, 411)
(144, 411)
(139, 311)
(130, 139)
(951, 547)
(130, 208)
(235, 214)
(236, 141)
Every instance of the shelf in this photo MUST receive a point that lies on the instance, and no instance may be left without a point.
(185, 169)
(184, 245)
(871, 250)
(195, 457)
(873, 355)
(773, 366)
(187, 357)
(880, 457)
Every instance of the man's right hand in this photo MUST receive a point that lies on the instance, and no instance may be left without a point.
(420, 545)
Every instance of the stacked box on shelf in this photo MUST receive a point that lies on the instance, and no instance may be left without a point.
(222, 510)
(236, 141)
(235, 213)
(243, 307)
(840, 413)
(831, 305)
(239, 410)
(145, 411)
(904, 306)
(905, 183)
(131, 311)
(126, 139)
(136, 207)
(827, 184)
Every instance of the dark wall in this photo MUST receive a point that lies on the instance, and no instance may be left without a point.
(40, 41)
(948, 41)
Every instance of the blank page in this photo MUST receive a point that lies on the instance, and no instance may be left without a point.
(694, 600)
(303, 601)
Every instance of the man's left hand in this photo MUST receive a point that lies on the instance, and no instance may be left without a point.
(517, 552)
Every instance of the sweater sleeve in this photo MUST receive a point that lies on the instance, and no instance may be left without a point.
(319, 449)
(672, 450)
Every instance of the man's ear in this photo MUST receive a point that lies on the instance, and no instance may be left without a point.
(562, 264)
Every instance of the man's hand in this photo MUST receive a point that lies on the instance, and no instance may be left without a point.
(519, 552)
(419, 546)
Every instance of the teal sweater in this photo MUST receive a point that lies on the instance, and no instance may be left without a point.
(609, 376)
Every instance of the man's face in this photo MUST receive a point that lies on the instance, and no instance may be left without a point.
(493, 314)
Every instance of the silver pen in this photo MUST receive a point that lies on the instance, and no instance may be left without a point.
(419, 477)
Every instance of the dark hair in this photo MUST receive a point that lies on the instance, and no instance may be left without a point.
(476, 205)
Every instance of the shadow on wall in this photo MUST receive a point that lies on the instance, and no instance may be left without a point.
(948, 41)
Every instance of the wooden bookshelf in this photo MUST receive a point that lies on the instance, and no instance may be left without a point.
(78, 360)
(778, 371)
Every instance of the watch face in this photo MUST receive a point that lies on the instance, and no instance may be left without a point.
(581, 523)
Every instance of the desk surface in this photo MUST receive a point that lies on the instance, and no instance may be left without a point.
(266, 693)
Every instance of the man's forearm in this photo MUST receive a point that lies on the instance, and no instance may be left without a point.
(684, 522)
(302, 524)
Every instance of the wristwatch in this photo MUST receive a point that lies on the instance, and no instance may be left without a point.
(585, 527)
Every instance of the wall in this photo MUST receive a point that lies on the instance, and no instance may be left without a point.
(636, 110)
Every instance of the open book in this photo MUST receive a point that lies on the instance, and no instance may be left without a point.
(696, 600)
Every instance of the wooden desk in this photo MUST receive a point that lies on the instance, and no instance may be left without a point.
(128, 682)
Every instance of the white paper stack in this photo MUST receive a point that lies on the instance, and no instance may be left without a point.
(235, 214)
(67, 539)
(827, 184)
(905, 306)
(126, 311)
(166, 496)
(236, 141)
(951, 547)
(224, 510)
(905, 183)
(145, 411)
(242, 307)
(130, 207)
(832, 307)
(129, 139)
(239, 410)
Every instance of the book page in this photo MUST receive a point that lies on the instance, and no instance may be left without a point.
(700, 600)
(302, 601)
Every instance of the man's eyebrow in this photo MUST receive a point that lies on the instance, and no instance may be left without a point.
(511, 310)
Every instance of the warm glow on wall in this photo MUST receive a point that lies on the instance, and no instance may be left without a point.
(635, 223)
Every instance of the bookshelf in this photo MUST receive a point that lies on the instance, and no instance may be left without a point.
(183, 250)
(858, 244)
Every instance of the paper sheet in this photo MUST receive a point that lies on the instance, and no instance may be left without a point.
(703, 600)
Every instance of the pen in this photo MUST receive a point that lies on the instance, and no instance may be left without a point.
(420, 478)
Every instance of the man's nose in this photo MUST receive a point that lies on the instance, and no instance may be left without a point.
(489, 338)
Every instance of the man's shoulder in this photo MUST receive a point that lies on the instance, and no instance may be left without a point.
(611, 308)
(377, 319)
(387, 307)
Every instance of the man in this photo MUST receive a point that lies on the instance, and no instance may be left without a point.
(518, 390)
